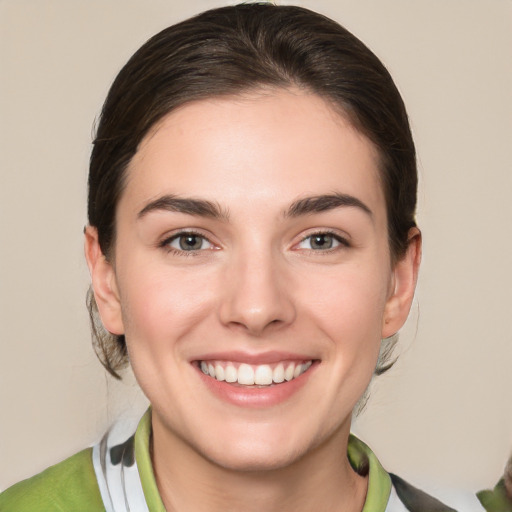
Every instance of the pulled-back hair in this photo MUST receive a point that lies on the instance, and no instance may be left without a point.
(229, 51)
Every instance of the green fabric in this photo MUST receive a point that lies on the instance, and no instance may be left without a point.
(143, 458)
(362, 460)
(68, 486)
(360, 455)
(71, 485)
(496, 500)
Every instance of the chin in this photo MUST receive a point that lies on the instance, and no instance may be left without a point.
(253, 458)
(259, 448)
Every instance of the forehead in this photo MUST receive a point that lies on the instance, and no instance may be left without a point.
(263, 146)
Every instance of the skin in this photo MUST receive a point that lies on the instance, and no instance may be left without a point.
(257, 284)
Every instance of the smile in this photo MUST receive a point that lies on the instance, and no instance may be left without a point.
(254, 375)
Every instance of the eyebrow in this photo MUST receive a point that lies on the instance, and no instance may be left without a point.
(205, 208)
(190, 206)
(322, 203)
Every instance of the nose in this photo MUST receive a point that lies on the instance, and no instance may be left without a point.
(256, 294)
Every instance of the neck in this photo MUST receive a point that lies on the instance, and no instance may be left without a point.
(321, 480)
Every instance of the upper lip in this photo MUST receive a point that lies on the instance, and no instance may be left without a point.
(255, 358)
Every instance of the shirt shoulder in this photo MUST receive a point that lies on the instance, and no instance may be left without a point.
(68, 486)
(416, 500)
(497, 499)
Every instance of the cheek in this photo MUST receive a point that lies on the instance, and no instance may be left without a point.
(353, 300)
(348, 309)
(160, 305)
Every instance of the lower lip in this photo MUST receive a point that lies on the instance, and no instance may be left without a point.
(256, 397)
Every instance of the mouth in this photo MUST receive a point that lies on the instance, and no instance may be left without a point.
(254, 375)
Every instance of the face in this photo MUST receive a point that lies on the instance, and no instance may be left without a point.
(252, 276)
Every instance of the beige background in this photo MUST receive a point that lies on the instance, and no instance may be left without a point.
(444, 414)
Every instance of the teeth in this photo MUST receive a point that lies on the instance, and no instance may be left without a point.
(278, 375)
(260, 375)
(288, 373)
(219, 372)
(245, 375)
(231, 373)
(263, 375)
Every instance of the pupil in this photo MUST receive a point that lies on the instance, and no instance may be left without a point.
(190, 242)
(321, 242)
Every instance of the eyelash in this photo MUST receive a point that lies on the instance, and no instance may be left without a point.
(343, 242)
(165, 244)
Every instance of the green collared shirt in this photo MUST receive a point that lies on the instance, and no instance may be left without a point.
(83, 482)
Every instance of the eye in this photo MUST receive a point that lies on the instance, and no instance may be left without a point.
(188, 242)
(322, 242)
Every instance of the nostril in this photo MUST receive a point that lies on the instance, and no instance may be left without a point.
(256, 302)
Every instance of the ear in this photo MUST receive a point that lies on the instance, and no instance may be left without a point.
(403, 284)
(103, 283)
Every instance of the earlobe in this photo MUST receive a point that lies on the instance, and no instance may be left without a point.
(103, 283)
(405, 276)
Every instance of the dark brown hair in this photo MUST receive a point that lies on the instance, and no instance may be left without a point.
(228, 51)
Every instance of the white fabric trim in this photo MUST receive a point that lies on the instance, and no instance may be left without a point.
(462, 501)
(121, 488)
(119, 484)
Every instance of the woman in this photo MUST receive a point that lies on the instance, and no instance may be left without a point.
(251, 242)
